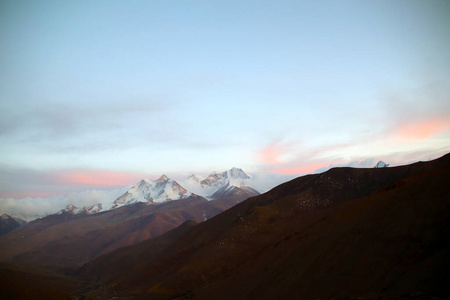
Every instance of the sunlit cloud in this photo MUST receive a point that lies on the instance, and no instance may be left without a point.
(99, 178)
(271, 155)
(30, 208)
(277, 153)
(21, 183)
(304, 169)
(422, 130)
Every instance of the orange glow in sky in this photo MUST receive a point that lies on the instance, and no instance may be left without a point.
(301, 169)
(100, 178)
(423, 130)
(270, 155)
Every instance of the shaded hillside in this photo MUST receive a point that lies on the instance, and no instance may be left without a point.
(67, 240)
(344, 233)
(34, 282)
(230, 193)
(8, 223)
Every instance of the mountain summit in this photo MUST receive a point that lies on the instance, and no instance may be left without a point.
(153, 191)
(234, 175)
(228, 183)
(381, 164)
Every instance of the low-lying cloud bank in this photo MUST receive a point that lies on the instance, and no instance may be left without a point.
(33, 208)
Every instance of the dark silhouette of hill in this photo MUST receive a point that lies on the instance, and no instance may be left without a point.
(342, 234)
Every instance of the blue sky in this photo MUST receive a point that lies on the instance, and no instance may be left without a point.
(101, 93)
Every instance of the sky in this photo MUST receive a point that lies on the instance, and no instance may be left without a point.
(95, 95)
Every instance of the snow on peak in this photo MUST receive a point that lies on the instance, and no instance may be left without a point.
(73, 210)
(234, 176)
(153, 191)
(215, 181)
(212, 180)
(162, 178)
(381, 164)
(235, 173)
(6, 217)
(194, 178)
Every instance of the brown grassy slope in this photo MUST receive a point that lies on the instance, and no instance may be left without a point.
(133, 255)
(318, 236)
(34, 282)
(73, 240)
(392, 243)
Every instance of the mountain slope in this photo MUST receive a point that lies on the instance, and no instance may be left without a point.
(9, 223)
(231, 191)
(76, 235)
(73, 239)
(343, 233)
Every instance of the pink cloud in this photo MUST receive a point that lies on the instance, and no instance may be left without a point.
(304, 169)
(270, 155)
(422, 130)
(35, 184)
(288, 159)
(98, 178)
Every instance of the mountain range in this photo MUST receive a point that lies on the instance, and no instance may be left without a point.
(148, 209)
(378, 233)
(228, 184)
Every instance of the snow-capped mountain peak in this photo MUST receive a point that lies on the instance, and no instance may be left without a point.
(381, 164)
(224, 181)
(162, 178)
(73, 210)
(212, 180)
(194, 178)
(153, 191)
(166, 189)
(235, 176)
(236, 173)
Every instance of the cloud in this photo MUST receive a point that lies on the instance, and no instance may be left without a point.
(422, 130)
(427, 102)
(19, 183)
(32, 208)
(303, 169)
(367, 163)
(396, 145)
(294, 158)
(263, 182)
(79, 124)
(272, 154)
(98, 178)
